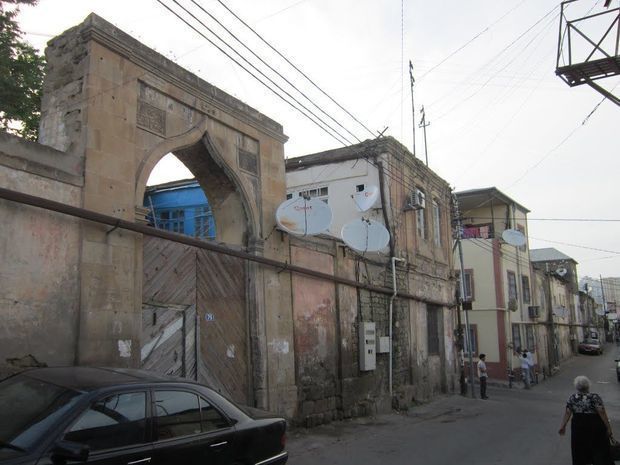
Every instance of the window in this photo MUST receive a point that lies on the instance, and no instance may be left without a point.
(529, 335)
(289, 196)
(204, 226)
(512, 286)
(172, 220)
(436, 223)
(516, 338)
(421, 222)
(473, 337)
(360, 188)
(211, 418)
(521, 229)
(183, 413)
(525, 284)
(468, 285)
(178, 414)
(432, 326)
(320, 193)
(116, 421)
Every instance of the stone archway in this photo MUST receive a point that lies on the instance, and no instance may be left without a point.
(121, 106)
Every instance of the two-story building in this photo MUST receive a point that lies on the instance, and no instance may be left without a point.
(497, 280)
(413, 204)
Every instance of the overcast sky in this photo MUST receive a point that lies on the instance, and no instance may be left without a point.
(484, 72)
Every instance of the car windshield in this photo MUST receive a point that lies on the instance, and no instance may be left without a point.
(28, 408)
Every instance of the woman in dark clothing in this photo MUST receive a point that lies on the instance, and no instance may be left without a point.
(590, 427)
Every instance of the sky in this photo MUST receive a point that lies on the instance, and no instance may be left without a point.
(484, 72)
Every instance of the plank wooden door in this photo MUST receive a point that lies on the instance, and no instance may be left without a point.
(222, 313)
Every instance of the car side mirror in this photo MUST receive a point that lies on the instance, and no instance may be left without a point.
(69, 450)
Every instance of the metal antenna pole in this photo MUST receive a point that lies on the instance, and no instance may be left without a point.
(412, 80)
(423, 125)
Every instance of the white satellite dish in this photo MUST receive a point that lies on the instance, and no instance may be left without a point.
(304, 217)
(600, 311)
(514, 237)
(365, 235)
(561, 272)
(364, 200)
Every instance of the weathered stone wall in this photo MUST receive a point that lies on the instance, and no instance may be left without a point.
(113, 108)
(327, 319)
(39, 278)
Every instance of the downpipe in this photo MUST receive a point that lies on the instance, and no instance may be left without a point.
(390, 317)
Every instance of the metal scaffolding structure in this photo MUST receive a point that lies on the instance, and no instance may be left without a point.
(585, 56)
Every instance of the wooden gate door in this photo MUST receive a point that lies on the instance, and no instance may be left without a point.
(195, 321)
(222, 313)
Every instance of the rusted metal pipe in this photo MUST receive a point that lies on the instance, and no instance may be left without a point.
(96, 217)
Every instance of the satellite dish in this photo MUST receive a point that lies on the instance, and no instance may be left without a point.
(364, 200)
(514, 237)
(561, 272)
(304, 217)
(365, 235)
(600, 311)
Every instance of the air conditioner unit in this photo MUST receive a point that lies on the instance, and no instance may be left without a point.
(417, 200)
(512, 305)
(533, 311)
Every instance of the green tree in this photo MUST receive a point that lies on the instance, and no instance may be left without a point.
(21, 76)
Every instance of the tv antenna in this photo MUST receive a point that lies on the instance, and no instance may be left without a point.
(423, 125)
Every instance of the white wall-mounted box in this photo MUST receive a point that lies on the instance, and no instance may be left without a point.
(383, 345)
(368, 346)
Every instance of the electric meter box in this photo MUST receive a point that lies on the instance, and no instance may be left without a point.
(368, 346)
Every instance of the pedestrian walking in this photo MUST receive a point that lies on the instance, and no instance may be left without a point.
(590, 427)
(525, 369)
(482, 376)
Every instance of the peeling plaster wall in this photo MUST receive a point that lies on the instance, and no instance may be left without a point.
(327, 318)
(39, 280)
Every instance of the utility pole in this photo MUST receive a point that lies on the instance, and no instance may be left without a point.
(423, 125)
(606, 321)
(459, 232)
(412, 81)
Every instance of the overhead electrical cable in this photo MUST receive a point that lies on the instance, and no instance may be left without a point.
(499, 54)
(561, 143)
(273, 69)
(333, 130)
(374, 134)
(486, 29)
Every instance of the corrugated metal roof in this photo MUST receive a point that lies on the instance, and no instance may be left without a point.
(548, 254)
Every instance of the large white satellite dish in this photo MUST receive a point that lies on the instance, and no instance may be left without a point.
(365, 200)
(365, 235)
(304, 217)
(514, 237)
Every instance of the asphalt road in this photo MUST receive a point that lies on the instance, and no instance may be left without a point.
(514, 427)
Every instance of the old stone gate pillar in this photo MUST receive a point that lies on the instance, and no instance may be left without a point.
(121, 107)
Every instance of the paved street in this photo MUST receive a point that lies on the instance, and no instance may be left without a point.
(513, 427)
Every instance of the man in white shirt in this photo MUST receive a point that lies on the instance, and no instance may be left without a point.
(525, 368)
(482, 376)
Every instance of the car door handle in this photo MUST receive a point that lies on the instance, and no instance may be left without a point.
(219, 444)
(146, 460)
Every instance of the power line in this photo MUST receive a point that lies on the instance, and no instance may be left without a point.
(486, 29)
(339, 136)
(575, 245)
(271, 68)
(296, 68)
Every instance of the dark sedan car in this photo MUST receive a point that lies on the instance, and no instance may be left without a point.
(590, 346)
(116, 416)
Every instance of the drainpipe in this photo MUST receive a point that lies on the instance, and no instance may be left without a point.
(394, 260)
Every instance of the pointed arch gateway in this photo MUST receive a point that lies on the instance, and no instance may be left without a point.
(196, 314)
(120, 107)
